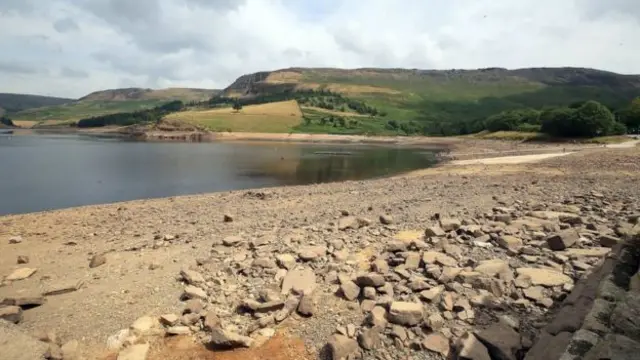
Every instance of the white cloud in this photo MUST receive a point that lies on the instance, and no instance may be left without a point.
(72, 47)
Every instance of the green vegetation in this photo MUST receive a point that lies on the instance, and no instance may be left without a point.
(153, 115)
(5, 120)
(16, 102)
(630, 116)
(85, 109)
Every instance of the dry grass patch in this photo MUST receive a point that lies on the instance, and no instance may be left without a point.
(285, 77)
(334, 112)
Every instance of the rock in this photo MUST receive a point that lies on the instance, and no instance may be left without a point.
(370, 279)
(446, 302)
(340, 347)
(228, 339)
(399, 332)
(97, 260)
(511, 321)
(350, 290)
(11, 314)
(435, 321)
(310, 253)
(448, 274)
(501, 341)
(25, 302)
(301, 280)
(563, 239)
(192, 277)
(70, 350)
(193, 306)
(450, 224)
(369, 339)
(434, 231)
(351, 330)
(54, 352)
(15, 240)
(21, 274)
(63, 288)
(412, 261)
(264, 307)
(614, 346)
(290, 305)
(347, 222)
(535, 293)
(169, 319)
(145, 325)
(406, 313)
(432, 294)
(134, 352)
(380, 266)
(286, 261)
(544, 277)
(363, 221)
(626, 314)
(438, 343)
(232, 241)
(608, 241)
(23, 259)
(492, 267)
(192, 292)
(434, 257)
(397, 246)
(227, 218)
(178, 330)
(386, 219)
(264, 263)
(306, 307)
(369, 293)
(509, 242)
(470, 348)
(211, 321)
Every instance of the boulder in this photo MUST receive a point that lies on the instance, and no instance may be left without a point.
(350, 290)
(509, 242)
(386, 219)
(134, 352)
(169, 319)
(563, 239)
(348, 222)
(608, 241)
(434, 231)
(21, 274)
(438, 343)
(300, 280)
(450, 224)
(369, 339)
(226, 339)
(340, 347)
(192, 292)
(370, 279)
(192, 277)
(492, 267)
(544, 277)
(286, 261)
(406, 313)
(97, 260)
(306, 307)
(11, 314)
(470, 348)
(232, 240)
(501, 341)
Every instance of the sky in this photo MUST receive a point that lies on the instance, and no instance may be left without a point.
(70, 48)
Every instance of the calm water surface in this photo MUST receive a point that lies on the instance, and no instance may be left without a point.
(43, 172)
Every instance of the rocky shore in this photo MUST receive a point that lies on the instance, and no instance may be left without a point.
(457, 262)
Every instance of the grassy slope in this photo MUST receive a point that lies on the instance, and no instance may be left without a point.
(109, 102)
(17, 102)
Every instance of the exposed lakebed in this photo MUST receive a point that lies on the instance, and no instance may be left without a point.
(43, 172)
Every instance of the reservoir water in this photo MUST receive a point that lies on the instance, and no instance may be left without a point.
(44, 172)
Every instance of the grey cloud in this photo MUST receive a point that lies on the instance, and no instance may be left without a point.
(17, 6)
(138, 67)
(65, 25)
(72, 73)
(595, 9)
(18, 68)
(217, 4)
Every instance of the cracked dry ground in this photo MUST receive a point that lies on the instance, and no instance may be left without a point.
(460, 255)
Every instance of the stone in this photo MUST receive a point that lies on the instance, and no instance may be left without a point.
(310, 253)
(211, 321)
(492, 267)
(145, 325)
(450, 224)
(434, 231)
(369, 339)
(589, 252)
(350, 290)
(406, 313)
(509, 242)
(233, 240)
(21, 274)
(470, 348)
(614, 346)
(348, 222)
(549, 347)
(445, 260)
(63, 288)
(227, 218)
(15, 240)
(432, 294)
(192, 277)
(522, 281)
(264, 263)
(193, 306)
(435, 321)
(54, 352)
(535, 293)
(370, 279)
(351, 330)
(11, 314)
(178, 330)
(193, 292)
(286, 261)
(446, 302)
(448, 274)
(377, 317)
(341, 347)
(97, 260)
(306, 307)
(501, 341)
(70, 350)
(169, 319)
(412, 261)
(25, 302)
(23, 259)
(544, 277)
(563, 240)
(608, 241)
(300, 280)
(386, 219)
(438, 343)
(626, 314)
(227, 339)
(369, 293)
(290, 305)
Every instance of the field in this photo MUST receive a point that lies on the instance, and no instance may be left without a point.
(275, 117)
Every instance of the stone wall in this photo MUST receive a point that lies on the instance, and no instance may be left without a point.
(600, 319)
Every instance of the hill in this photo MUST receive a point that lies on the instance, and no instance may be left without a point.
(110, 102)
(443, 102)
(16, 102)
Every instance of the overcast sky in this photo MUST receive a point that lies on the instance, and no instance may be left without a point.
(72, 47)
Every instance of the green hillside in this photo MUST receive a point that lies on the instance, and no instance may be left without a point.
(11, 103)
(442, 102)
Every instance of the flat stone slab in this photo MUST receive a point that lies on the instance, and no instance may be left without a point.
(591, 252)
(63, 288)
(545, 277)
(20, 274)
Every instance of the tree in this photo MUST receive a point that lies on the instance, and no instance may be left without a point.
(630, 116)
(504, 121)
(556, 122)
(237, 106)
(591, 119)
(6, 121)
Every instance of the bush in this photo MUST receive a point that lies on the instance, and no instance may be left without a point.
(528, 128)
(6, 121)
(589, 120)
(618, 129)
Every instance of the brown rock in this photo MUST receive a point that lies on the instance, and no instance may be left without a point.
(232, 241)
(15, 240)
(501, 341)
(347, 222)
(340, 347)
(350, 290)
(434, 231)
(437, 342)
(608, 241)
(370, 279)
(563, 239)
(509, 242)
(54, 352)
(97, 260)
(21, 274)
(306, 307)
(227, 218)
(301, 280)
(492, 267)
(226, 339)
(450, 224)
(26, 302)
(23, 259)
(11, 314)
(406, 313)
(192, 292)
(169, 319)
(377, 317)
(211, 321)
(470, 348)
(544, 277)
(369, 339)
(386, 219)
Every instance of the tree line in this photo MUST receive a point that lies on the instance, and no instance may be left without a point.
(5, 120)
(153, 115)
